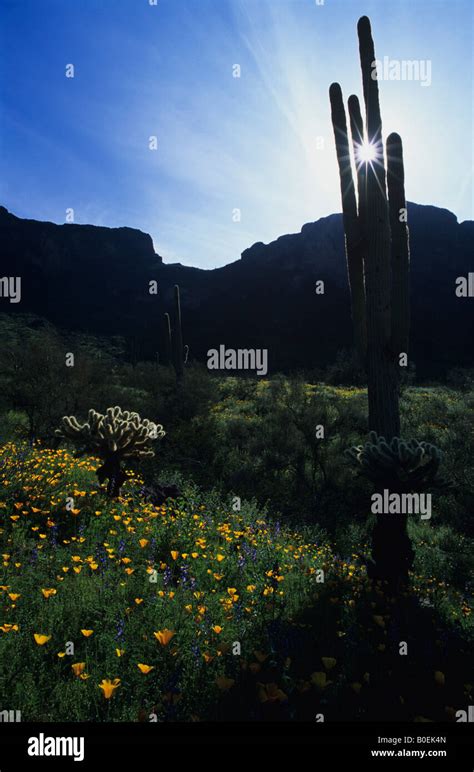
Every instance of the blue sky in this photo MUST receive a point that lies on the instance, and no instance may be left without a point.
(224, 143)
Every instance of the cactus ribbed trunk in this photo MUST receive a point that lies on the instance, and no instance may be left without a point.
(382, 370)
(178, 338)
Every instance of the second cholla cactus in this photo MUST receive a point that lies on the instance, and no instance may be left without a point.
(115, 435)
(400, 465)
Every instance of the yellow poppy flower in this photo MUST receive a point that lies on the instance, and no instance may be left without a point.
(174, 554)
(47, 592)
(224, 683)
(439, 678)
(120, 652)
(270, 693)
(164, 636)
(78, 668)
(145, 668)
(87, 633)
(143, 543)
(320, 680)
(6, 628)
(217, 629)
(108, 687)
(41, 639)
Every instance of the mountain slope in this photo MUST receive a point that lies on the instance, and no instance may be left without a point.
(96, 279)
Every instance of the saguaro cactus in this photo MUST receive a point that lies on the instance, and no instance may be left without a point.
(377, 251)
(178, 337)
(376, 241)
(169, 341)
(178, 354)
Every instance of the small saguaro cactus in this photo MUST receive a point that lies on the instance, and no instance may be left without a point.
(169, 341)
(378, 258)
(177, 352)
(117, 435)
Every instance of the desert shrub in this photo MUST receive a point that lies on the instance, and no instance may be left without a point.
(443, 555)
(346, 370)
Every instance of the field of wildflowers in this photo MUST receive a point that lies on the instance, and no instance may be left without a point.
(119, 610)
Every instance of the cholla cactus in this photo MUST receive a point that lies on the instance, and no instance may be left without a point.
(114, 436)
(400, 465)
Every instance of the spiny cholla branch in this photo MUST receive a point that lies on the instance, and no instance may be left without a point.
(118, 431)
(408, 465)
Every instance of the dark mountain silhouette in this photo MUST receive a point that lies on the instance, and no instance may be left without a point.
(96, 280)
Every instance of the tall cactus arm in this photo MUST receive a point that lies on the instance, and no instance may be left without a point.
(354, 246)
(400, 245)
(357, 133)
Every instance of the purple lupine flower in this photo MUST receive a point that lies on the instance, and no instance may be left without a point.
(54, 536)
(101, 557)
(184, 575)
(120, 630)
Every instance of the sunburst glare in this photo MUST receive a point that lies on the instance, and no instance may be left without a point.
(366, 153)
